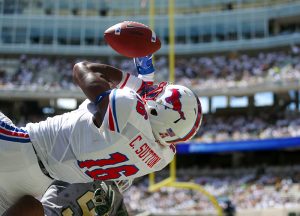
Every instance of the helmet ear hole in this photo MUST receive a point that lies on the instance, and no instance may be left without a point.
(153, 112)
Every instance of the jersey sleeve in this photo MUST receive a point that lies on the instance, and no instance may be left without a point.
(147, 78)
(132, 82)
(121, 104)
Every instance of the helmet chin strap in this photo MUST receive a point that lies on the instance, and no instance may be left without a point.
(159, 142)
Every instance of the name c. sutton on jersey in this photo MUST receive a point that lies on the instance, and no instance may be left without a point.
(144, 152)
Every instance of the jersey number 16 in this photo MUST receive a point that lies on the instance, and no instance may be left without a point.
(110, 173)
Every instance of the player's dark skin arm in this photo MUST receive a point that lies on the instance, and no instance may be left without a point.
(26, 206)
(94, 79)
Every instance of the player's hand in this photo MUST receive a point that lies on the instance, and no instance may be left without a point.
(144, 65)
(104, 198)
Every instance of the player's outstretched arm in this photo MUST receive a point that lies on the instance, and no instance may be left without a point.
(96, 80)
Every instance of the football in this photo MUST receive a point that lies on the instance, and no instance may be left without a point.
(132, 39)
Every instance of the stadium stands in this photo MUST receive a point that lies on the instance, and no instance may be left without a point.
(246, 188)
(233, 49)
(201, 72)
(216, 129)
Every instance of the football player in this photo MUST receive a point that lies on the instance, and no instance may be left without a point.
(78, 199)
(125, 129)
(83, 199)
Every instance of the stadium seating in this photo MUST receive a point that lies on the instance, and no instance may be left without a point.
(203, 73)
(246, 188)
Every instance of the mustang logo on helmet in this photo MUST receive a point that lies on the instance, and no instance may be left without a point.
(174, 99)
(167, 106)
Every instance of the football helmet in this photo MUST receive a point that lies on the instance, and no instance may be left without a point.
(175, 113)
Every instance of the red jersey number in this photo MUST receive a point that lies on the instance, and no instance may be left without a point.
(108, 173)
(140, 108)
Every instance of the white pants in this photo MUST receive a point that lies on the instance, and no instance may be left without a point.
(20, 173)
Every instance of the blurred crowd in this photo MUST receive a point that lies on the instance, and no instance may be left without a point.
(238, 71)
(28, 72)
(247, 188)
(36, 72)
(216, 129)
(200, 72)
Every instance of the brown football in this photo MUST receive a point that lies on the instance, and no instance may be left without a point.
(132, 39)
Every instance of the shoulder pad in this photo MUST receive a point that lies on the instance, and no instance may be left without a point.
(121, 103)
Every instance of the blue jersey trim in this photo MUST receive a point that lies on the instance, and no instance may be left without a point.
(14, 139)
(4, 126)
(101, 96)
(11, 128)
(114, 109)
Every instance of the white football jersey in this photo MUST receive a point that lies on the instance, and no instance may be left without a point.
(73, 149)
